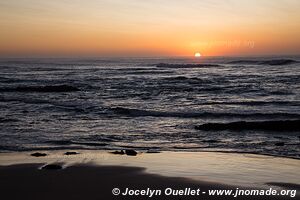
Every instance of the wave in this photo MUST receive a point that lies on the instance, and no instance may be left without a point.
(25, 100)
(265, 62)
(144, 113)
(286, 125)
(148, 72)
(167, 65)
(7, 120)
(191, 80)
(51, 88)
(70, 142)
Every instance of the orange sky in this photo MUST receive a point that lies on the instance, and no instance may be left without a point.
(149, 28)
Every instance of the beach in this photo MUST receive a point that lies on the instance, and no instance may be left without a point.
(164, 175)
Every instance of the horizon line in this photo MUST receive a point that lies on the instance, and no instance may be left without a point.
(144, 57)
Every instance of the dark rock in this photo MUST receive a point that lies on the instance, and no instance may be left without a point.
(38, 154)
(118, 152)
(281, 126)
(280, 144)
(127, 152)
(71, 153)
(130, 152)
(52, 167)
(210, 141)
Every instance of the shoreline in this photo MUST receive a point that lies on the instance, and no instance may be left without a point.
(158, 151)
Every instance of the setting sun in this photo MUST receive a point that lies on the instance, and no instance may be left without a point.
(197, 55)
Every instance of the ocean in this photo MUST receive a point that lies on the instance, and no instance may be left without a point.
(152, 104)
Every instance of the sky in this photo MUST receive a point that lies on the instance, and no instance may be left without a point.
(149, 27)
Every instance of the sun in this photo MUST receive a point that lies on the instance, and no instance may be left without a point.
(197, 55)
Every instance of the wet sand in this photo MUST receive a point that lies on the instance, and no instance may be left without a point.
(92, 180)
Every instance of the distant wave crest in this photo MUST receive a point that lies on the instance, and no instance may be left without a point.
(70, 142)
(168, 65)
(265, 62)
